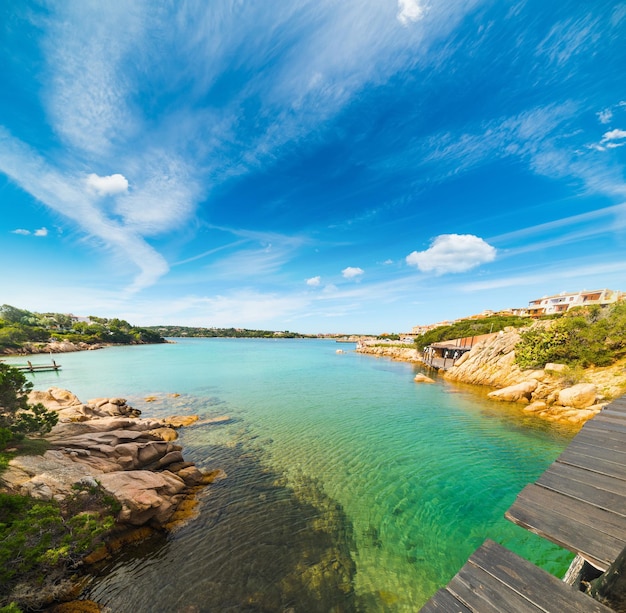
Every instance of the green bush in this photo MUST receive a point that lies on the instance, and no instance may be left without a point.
(41, 540)
(468, 328)
(17, 416)
(583, 337)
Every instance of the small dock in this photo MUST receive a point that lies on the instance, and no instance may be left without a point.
(579, 503)
(30, 367)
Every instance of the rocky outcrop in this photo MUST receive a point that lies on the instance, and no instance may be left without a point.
(51, 347)
(103, 443)
(545, 391)
(490, 362)
(394, 352)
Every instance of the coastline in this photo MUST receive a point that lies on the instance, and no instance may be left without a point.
(552, 393)
(101, 453)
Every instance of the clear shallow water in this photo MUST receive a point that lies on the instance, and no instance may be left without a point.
(349, 487)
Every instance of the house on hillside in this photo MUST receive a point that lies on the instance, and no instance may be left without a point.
(564, 301)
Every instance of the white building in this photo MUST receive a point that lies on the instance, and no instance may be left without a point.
(564, 301)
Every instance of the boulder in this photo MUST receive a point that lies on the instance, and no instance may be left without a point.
(515, 393)
(578, 396)
(178, 421)
(144, 495)
(536, 407)
(555, 367)
(190, 475)
(54, 398)
(421, 378)
(165, 434)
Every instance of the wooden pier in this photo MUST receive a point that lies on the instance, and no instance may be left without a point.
(29, 367)
(579, 503)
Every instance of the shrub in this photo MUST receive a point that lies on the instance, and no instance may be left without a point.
(582, 337)
(469, 327)
(41, 540)
(17, 416)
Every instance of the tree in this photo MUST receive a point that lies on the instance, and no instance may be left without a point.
(17, 416)
(12, 314)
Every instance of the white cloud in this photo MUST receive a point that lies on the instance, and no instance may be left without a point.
(605, 116)
(410, 11)
(314, 281)
(613, 135)
(107, 186)
(452, 253)
(23, 232)
(351, 272)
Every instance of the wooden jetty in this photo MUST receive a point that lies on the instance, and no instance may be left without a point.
(579, 503)
(29, 367)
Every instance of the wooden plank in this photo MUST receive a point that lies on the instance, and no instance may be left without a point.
(541, 588)
(482, 592)
(601, 429)
(605, 438)
(593, 464)
(614, 413)
(618, 404)
(549, 519)
(577, 510)
(609, 501)
(575, 473)
(444, 602)
(610, 423)
(597, 451)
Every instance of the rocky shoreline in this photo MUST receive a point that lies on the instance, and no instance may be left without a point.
(104, 444)
(61, 347)
(551, 393)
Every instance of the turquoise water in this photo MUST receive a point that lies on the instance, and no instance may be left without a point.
(348, 488)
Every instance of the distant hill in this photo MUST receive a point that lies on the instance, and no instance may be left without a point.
(26, 330)
(185, 331)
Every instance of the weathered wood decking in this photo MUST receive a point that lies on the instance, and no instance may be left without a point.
(578, 503)
(495, 580)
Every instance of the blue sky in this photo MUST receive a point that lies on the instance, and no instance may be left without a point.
(319, 166)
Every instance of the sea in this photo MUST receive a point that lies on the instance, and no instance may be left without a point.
(346, 485)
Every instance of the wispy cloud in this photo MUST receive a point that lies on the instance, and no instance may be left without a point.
(68, 196)
(578, 272)
(87, 96)
(569, 38)
(614, 219)
(314, 281)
